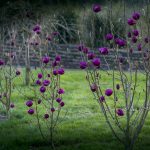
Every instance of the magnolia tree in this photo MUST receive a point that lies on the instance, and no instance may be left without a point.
(125, 101)
(47, 101)
(7, 75)
(8, 71)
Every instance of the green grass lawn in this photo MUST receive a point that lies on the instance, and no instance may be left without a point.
(83, 128)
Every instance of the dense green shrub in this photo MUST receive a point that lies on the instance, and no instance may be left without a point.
(96, 27)
(66, 25)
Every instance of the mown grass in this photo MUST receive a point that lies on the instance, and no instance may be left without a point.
(83, 128)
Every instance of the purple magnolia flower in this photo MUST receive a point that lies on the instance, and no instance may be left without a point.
(90, 55)
(40, 75)
(62, 103)
(117, 40)
(61, 71)
(29, 103)
(83, 65)
(120, 42)
(55, 63)
(38, 31)
(129, 34)
(42, 89)
(94, 87)
(96, 62)
(36, 28)
(85, 50)
(146, 40)
(103, 50)
(46, 116)
(146, 56)
(58, 100)
(49, 38)
(139, 47)
(38, 82)
(109, 36)
(1, 62)
(120, 112)
(58, 58)
(121, 59)
(12, 105)
(108, 92)
(131, 22)
(135, 32)
(55, 72)
(52, 109)
(80, 47)
(136, 15)
(48, 75)
(39, 101)
(102, 99)
(134, 39)
(46, 82)
(96, 8)
(117, 86)
(31, 111)
(45, 59)
(61, 91)
(18, 73)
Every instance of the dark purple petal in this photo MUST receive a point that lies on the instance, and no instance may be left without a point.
(102, 99)
(96, 62)
(117, 86)
(94, 87)
(120, 112)
(108, 92)
(83, 65)
(46, 82)
(58, 100)
(96, 8)
(90, 55)
(45, 59)
(46, 116)
(135, 32)
(61, 71)
(58, 58)
(62, 103)
(12, 105)
(55, 72)
(131, 22)
(18, 73)
(103, 50)
(42, 89)
(40, 75)
(134, 39)
(139, 47)
(109, 36)
(61, 91)
(52, 110)
(136, 15)
(1, 62)
(29, 103)
(31, 111)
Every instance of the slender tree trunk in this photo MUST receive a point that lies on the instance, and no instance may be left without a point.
(27, 76)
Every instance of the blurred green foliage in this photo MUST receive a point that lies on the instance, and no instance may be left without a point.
(64, 2)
